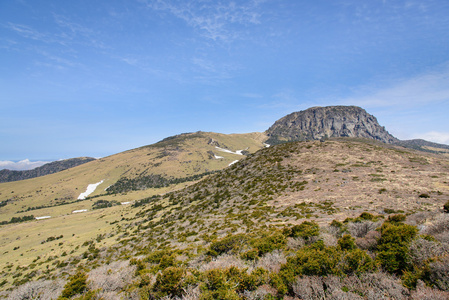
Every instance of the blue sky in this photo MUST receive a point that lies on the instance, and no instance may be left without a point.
(93, 78)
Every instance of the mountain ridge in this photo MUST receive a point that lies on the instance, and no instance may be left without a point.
(46, 169)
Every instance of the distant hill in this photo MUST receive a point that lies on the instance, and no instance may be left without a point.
(319, 123)
(50, 168)
(423, 145)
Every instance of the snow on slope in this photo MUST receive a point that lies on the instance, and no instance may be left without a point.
(90, 189)
(235, 161)
(238, 152)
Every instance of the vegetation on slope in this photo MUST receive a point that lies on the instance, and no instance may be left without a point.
(297, 220)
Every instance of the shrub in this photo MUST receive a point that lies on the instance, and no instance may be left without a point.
(360, 229)
(399, 218)
(309, 287)
(229, 243)
(169, 282)
(357, 262)
(76, 284)
(438, 273)
(393, 246)
(269, 243)
(305, 230)
(346, 242)
(315, 259)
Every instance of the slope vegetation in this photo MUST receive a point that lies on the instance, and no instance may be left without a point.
(247, 229)
(154, 169)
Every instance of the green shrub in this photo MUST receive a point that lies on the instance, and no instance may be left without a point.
(346, 242)
(227, 244)
(169, 282)
(357, 262)
(250, 254)
(315, 259)
(393, 246)
(75, 285)
(278, 282)
(269, 243)
(306, 230)
(399, 218)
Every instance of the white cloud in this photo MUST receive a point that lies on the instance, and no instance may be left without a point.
(434, 136)
(424, 89)
(25, 164)
(213, 19)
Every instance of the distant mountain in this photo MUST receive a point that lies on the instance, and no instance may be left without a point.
(423, 145)
(318, 123)
(50, 168)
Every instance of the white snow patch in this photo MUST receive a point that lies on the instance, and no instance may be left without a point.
(79, 211)
(125, 203)
(43, 217)
(218, 157)
(90, 189)
(238, 152)
(235, 161)
(266, 145)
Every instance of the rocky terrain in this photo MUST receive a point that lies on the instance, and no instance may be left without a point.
(324, 122)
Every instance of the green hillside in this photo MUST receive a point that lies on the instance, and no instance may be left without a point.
(342, 218)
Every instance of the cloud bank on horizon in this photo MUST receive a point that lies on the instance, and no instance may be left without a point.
(25, 164)
(85, 78)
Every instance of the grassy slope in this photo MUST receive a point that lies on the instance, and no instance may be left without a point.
(180, 157)
(279, 185)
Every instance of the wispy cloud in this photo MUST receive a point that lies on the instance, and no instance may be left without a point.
(25, 164)
(434, 136)
(29, 32)
(424, 89)
(214, 20)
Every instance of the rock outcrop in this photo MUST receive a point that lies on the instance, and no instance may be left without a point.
(325, 122)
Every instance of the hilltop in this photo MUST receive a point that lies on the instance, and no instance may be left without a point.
(324, 122)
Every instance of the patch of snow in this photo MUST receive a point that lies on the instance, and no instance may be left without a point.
(125, 203)
(90, 189)
(266, 145)
(43, 217)
(218, 157)
(238, 152)
(235, 161)
(79, 211)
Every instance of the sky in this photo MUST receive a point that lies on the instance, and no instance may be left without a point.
(94, 78)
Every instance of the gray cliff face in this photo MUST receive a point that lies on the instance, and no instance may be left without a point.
(325, 122)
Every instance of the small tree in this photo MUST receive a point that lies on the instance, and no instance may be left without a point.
(76, 284)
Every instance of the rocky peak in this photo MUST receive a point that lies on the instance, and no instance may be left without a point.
(324, 122)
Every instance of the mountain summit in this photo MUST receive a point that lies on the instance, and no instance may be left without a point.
(324, 122)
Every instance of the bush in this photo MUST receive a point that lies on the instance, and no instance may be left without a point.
(305, 230)
(393, 246)
(357, 262)
(169, 282)
(227, 244)
(76, 284)
(315, 259)
(346, 242)
(269, 243)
